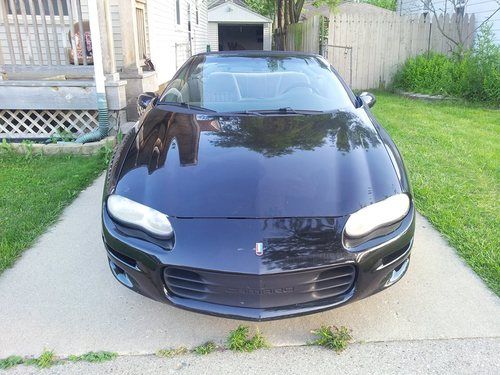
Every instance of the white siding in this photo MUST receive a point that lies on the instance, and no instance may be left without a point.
(114, 9)
(481, 9)
(407, 7)
(169, 42)
(213, 36)
(200, 30)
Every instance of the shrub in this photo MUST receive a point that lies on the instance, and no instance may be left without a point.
(240, 341)
(11, 361)
(473, 75)
(332, 338)
(169, 353)
(205, 348)
(94, 357)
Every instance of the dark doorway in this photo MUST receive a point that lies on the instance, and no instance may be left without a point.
(241, 37)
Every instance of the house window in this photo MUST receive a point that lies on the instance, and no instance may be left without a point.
(37, 8)
(178, 11)
(189, 17)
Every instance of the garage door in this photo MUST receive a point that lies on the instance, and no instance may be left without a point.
(241, 37)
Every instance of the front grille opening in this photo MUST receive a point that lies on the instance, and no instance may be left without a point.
(125, 259)
(260, 291)
(185, 283)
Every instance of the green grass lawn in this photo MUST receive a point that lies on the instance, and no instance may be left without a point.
(33, 192)
(452, 153)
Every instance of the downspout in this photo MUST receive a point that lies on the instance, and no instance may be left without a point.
(102, 104)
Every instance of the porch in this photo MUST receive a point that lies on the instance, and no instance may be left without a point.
(46, 65)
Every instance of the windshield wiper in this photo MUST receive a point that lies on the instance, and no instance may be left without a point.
(245, 112)
(189, 106)
(264, 112)
(293, 111)
(283, 110)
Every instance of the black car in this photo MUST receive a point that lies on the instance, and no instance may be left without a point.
(257, 186)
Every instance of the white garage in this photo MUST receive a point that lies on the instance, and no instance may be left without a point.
(234, 26)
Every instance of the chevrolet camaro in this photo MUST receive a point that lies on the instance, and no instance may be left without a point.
(257, 186)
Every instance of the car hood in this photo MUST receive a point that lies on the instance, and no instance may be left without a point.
(198, 166)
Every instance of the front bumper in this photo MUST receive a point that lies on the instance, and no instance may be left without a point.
(225, 248)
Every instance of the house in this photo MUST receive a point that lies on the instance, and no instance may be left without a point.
(481, 9)
(46, 59)
(232, 25)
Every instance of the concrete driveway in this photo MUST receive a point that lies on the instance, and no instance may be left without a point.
(60, 295)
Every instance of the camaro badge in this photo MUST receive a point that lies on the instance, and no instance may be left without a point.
(259, 248)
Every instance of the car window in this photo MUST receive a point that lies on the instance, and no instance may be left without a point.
(174, 90)
(232, 83)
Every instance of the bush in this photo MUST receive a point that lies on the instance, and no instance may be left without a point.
(473, 75)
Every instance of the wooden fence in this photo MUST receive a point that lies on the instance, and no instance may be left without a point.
(303, 36)
(368, 49)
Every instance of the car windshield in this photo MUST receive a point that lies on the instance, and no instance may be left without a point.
(254, 83)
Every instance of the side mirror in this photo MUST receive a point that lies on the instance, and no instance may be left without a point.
(145, 98)
(368, 98)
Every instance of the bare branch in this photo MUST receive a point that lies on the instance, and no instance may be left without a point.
(430, 5)
(485, 20)
(456, 4)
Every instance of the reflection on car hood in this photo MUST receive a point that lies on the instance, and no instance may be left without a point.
(324, 165)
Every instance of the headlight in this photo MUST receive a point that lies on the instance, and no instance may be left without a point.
(134, 214)
(377, 215)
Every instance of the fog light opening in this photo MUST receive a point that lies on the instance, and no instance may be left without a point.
(120, 274)
(398, 273)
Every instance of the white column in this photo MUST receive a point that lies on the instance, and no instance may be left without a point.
(102, 33)
(106, 35)
(96, 46)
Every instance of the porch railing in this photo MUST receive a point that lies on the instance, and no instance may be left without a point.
(44, 33)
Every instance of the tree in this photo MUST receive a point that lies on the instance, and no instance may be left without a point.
(289, 11)
(286, 12)
(386, 4)
(265, 7)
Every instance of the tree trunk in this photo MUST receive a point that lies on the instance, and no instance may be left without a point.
(279, 14)
(291, 12)
(298, 10)
(286, 11)
(280, 36)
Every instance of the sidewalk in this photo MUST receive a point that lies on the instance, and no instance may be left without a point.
(471, 356)
(61, 296)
